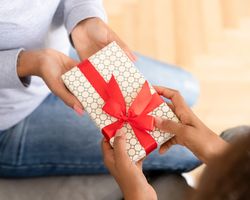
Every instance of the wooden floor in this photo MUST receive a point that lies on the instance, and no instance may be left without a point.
(223, 70)
(224, 75)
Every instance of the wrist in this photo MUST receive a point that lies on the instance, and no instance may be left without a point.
(27, 63)
(215, 147)
(138, 191)
(80, 31)
(134, 195)
(77, 33)
(138, 194)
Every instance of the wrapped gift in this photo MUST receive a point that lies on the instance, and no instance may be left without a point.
(116, 95)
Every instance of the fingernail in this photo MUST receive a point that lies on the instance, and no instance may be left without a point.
(161, 152)
(78, 110)
(158, 121)
(131, 56)
(134, 57)
(119, 133)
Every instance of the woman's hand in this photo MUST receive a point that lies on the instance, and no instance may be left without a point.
(191, 132)
(127, 174)
(91, 35)
(49, 64)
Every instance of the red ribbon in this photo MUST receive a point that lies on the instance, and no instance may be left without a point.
(137, 114)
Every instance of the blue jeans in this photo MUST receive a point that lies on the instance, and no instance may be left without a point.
(54, 140)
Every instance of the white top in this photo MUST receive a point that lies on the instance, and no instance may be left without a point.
(34, 24)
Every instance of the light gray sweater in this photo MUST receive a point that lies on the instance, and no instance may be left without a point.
(34, 24)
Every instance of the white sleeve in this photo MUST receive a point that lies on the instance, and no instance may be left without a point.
(78, 10)
(8, 70)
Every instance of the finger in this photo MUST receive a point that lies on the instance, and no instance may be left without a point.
(107, 154)
(69, 99)
(169, 126)
(130, 54)
(125, 48)
(62, 91)
(167, 145)
(119, 146)
(69, 63)
(106, 148)
(90, 50)
(173, 95)
(181, 109)
(78, 110)
(171, 106)
(139, 164)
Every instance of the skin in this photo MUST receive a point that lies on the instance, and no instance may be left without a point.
(50, 64)
(190, 132)
(127, 174)
(88, 37)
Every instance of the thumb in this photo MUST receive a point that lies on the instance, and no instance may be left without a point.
(168, 125)
(60, 90)
(119, 145)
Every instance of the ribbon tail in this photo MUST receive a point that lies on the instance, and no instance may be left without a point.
(145, 102)
(142, 100)
(115, 93)
(155, 102)
(144, 122)
(145, 139)
(110, 130)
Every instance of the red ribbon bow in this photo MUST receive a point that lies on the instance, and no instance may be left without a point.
(137, 114)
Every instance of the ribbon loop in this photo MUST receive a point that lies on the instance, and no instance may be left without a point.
(136, 116)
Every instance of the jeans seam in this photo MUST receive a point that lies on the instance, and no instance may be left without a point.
(22, 141)
(82, 165)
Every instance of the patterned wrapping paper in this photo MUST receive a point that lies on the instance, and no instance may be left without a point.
(112, 60)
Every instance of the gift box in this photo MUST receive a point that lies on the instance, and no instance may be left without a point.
(116, 95)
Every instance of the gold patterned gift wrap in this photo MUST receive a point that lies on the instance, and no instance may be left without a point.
(112, 65)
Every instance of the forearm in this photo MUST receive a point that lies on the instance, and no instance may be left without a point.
(132, 195)
(81, 31)
(207, 145)
(136, 189)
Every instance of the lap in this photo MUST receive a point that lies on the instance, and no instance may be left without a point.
(54, 140)
(159, 73)
(53, 137)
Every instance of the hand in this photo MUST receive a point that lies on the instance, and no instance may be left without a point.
(92, 34)
(49, 64)
(127, 174)
(190, 132)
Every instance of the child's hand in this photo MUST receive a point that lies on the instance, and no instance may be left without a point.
(91, 35)
(127, 174)
(191, 132)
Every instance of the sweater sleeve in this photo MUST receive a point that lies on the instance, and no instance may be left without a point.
(78, 10)
(8, 76)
